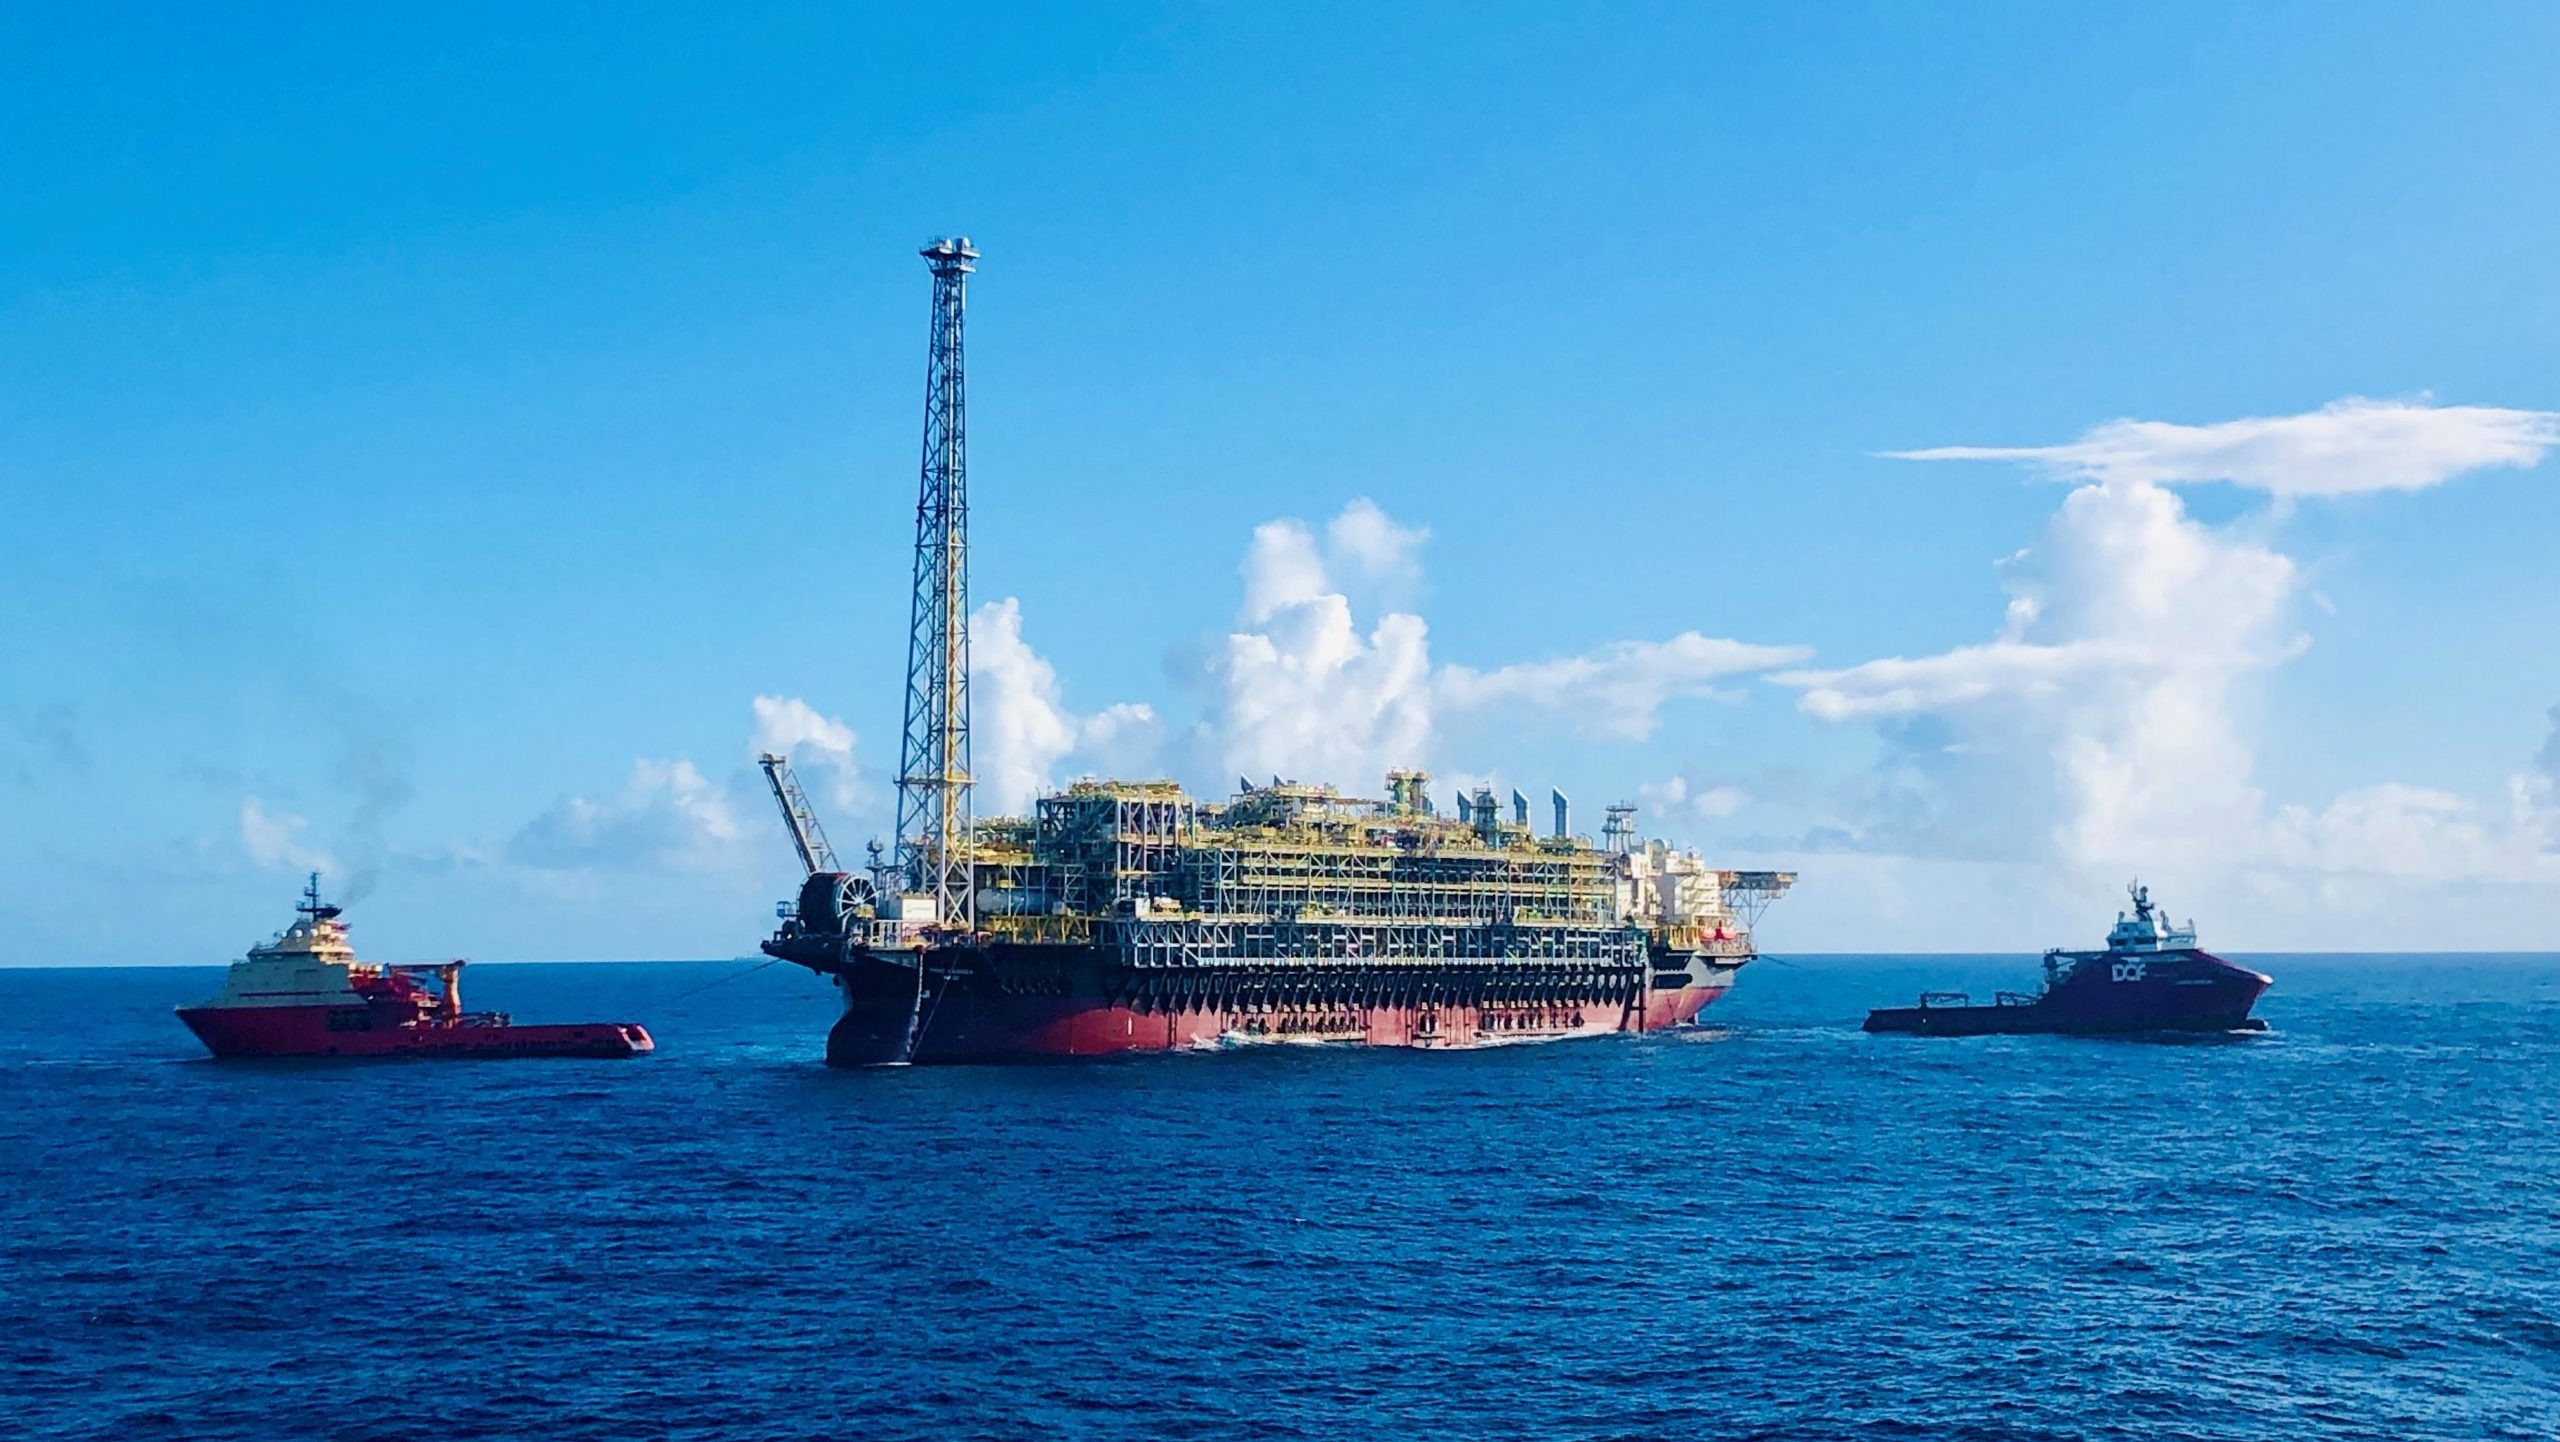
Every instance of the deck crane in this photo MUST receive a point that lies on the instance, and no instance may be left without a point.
(807, 836)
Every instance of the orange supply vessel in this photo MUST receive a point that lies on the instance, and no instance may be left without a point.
(306, 994)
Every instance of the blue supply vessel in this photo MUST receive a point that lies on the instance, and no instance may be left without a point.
(2151, 977)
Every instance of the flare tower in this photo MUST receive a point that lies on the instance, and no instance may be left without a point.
(933, 763)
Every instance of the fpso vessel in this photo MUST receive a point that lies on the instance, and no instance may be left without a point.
(304, 994)
(1129, 917)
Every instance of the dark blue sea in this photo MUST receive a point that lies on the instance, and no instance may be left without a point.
(1775, 1227)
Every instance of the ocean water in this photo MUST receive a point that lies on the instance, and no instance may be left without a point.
(1773, 1227)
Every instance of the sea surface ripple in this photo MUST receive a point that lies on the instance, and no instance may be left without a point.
(1774, 1227)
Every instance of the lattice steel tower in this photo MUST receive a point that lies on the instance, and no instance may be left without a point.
(933, 769)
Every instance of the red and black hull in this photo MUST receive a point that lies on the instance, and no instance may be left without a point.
(239, 1032)
(1008, 1001)
(2171, 991)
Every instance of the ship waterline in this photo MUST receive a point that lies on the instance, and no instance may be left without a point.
(1000, 1002)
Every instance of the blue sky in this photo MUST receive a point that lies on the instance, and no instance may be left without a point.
(423, 438)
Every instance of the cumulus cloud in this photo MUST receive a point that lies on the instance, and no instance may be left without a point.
(786, 725)
(1895, 686)
(1367, 538)
(1308, 696)
(1125, 738)
(1020, 728)
(274, 839)
(2130, 627)
(1302, 690)
(668, 816)
(1691, 797)
(1306, 691)
(1282, 568)
(671, 816)
(2344, 447)
(789, 726)
(2411, 833)
(1617, 691)
(2106, 721)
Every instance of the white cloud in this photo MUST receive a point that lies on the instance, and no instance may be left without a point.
(274, 841)
(2394, 832)
(2347, 446)
(1305, 691)
(1617, 691)
(1125, 738)
(1691, 797)
(1308, 697)
(1302, 692)
(2129, 627)
(785, 724)
(667, 816)
(789, 726)
(1281, 568)
(2106, 725)
(1020, 728)
(1370, 540)
(1895, 686)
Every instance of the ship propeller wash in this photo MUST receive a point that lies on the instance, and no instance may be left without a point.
(1131, 916)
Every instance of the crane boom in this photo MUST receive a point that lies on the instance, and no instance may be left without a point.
(807, 836)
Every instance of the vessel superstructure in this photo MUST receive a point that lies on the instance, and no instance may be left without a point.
(304, 993)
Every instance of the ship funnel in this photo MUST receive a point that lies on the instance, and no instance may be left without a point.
(1564, 811)
(1519, 808)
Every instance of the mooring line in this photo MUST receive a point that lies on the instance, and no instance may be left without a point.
(719, 981)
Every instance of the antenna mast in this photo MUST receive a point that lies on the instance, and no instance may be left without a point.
(933, 770)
